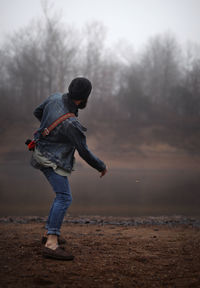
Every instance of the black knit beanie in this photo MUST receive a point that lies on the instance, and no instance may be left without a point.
(79, 88)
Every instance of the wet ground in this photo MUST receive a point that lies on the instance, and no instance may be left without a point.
(106, 255)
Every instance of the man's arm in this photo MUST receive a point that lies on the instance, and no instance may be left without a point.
(38, 112)
(78, 139)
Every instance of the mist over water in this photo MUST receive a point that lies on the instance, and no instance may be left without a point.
(123, 192)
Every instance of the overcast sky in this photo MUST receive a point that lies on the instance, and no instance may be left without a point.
(133, 20)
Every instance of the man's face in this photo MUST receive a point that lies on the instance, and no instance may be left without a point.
(82, 104)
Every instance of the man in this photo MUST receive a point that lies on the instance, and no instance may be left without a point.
(54, 155)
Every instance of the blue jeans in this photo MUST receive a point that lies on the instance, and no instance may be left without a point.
(61, 202)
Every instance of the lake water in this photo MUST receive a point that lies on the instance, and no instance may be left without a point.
(122, 192)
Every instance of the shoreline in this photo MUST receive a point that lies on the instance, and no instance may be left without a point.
(171, 221)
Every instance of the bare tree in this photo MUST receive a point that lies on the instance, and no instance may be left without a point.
(160, 64)
(39, 60)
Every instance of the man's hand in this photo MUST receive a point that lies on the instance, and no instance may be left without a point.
(103, 172)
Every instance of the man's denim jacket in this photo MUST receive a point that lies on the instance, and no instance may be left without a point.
(59, 146)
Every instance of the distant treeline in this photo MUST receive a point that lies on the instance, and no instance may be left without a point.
(146, 98)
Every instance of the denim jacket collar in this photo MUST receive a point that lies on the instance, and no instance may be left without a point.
(70, 104)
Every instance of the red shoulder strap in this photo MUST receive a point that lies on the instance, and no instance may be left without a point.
(56, 122)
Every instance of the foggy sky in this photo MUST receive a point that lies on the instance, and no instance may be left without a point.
(132, 20)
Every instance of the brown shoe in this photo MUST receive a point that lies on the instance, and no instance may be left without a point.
(61, 241)
(59, 254)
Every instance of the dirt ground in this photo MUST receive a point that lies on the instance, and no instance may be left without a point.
(105, 256)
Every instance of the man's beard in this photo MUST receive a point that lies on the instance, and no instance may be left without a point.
(83, 104)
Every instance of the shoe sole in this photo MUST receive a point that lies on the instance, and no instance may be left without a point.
(69, 258)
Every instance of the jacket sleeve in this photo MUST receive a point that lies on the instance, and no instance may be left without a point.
(38, 112)
(78, 139)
